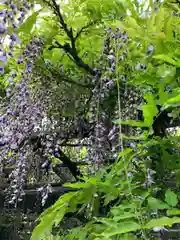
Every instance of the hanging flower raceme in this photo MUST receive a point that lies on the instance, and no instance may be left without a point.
(11, 18)
(22, 116)
(105, 139)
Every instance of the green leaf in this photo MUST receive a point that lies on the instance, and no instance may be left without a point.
(166, 73)
(51, 216)
(165, 58)
(171, 198)
(173, 100)
(109, 197)
(125, 152)
(159, 20)
(83, 152)
(58, 204)
(125, 206)
(60, 214)
(29, 23)
(168, 27)
(125, 215)
(130, 122)
(149, 110)
(131, 22)
(172, 212)
(78, 185)
(43, 230)
(155, 204)
(131, 7)
(161, 222)
(178, 177)
(163, 95)
(114, 228)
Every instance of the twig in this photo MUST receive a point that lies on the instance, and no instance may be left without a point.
(83, 28)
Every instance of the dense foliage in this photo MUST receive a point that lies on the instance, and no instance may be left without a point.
(93, 86)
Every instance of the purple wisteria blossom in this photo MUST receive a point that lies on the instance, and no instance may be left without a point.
(1, 69)
(3, 58)
(11, 17)
(22, 113)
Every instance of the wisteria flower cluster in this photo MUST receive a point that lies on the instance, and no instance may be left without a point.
(22, 117)
(11, 18)
(23, 113)
(105, 139)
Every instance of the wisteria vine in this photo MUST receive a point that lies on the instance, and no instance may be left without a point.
(26, 105)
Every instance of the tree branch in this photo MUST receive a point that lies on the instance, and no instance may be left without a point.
(73, 53)
(68, 31)
(69, 49)
(72, 166)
